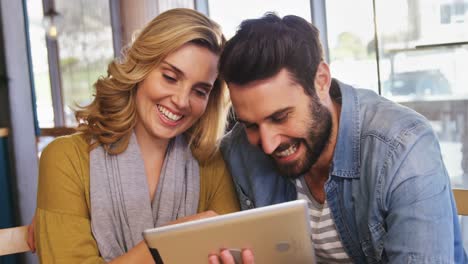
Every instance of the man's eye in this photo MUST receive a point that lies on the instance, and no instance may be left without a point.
(280, 118)
(249, 126)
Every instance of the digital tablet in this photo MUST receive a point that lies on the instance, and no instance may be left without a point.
(277, 234)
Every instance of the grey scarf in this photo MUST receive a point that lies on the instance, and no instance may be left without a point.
(120, 203)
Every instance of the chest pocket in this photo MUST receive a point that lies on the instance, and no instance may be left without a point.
(245, 202)
(372, 245)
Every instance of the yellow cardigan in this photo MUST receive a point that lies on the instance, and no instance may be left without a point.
(63, 227)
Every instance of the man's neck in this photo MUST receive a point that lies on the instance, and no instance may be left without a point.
(318, 175)
(320, 171)
(315, 184)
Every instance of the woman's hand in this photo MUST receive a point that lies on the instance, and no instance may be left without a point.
(141, 254)
(206, 214)
(31, 240)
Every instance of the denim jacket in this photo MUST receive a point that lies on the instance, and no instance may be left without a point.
(388, 190)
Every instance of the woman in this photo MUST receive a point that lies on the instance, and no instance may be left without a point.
(146, 151)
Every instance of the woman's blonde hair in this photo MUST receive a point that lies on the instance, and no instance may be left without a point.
(111, 116)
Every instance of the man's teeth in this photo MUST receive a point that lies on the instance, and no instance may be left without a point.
(292, 149)
(171, 116)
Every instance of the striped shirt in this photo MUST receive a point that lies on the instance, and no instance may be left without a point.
(327, 243)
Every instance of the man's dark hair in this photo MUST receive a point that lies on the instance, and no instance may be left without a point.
(264, 46)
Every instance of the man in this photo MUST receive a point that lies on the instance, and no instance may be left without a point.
(371, 170)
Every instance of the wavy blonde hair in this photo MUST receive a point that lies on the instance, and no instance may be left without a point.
(111, 116)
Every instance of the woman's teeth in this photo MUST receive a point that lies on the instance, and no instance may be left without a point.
(171, 116)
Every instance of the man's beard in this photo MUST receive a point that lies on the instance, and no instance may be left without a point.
(319, 131)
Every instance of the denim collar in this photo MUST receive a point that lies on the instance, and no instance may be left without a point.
(346, 162)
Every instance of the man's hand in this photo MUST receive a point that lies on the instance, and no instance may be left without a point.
(225, 257)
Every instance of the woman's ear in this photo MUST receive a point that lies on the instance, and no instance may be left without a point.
(322, 81)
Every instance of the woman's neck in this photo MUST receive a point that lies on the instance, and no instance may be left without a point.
(153, 152)
(151, 147)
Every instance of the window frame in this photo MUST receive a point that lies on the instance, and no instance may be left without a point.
(55, 74)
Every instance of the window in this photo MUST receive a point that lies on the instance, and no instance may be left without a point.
(419, 60)
(40, 66)
(351, 42)
(453, 12)
(419, 63)
(422, 62)
(229, 14)
(84, 48)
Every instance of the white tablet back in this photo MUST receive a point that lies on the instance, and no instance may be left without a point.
(277, 234)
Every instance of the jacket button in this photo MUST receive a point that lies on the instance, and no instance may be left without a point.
(248, 202)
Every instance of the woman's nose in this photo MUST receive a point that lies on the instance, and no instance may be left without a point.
(182, 99)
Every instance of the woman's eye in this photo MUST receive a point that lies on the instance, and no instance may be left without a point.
(201, 93)
(169, 78)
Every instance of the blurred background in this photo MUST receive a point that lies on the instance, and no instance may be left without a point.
(413, 52)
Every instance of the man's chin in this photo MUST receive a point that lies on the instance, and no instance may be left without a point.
(291, 171)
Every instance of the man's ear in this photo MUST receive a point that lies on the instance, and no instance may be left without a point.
(322, 81)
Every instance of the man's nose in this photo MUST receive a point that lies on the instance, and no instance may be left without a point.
(269, 140)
